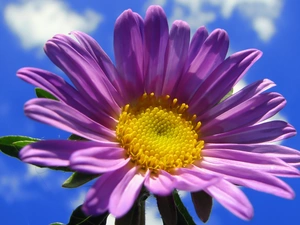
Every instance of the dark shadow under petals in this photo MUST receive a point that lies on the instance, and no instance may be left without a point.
(203, 204)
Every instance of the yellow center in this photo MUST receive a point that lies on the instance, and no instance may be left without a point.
(158, 133)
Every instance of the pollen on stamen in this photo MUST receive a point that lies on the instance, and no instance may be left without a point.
(158, 133)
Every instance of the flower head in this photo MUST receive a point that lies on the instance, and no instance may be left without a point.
(157, 118)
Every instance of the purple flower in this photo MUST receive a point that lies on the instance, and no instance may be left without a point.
(155, 117)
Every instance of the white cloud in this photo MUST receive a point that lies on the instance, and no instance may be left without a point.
(35, 21)
(152, 214)
(34, 171)
(11, 186)
(155, 2)
(264, 27)
(183, 194)
(261, 14)
(74, 203)
(26, 182)
(193, 12)
(12, 189)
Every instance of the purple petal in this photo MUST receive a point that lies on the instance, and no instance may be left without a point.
(232, 198)
(288, 155)
(221, 80)
(161, 184)
(64, 117)
(177, 55)
(193, 179)
(128, 48)
(156, 35)
(196, 44)
(265, 132)
(251, 178)
(126, 192)
(98, 160)
(98, 196)
(244, 94)
(210, 55)
(58, 87)
(250, 160)
(249, 112)
(55, 152)
(103, 60)
(84, 72)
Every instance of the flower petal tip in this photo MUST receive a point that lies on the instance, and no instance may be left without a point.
(249, 214)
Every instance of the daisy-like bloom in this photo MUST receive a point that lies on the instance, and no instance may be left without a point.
(156, 119)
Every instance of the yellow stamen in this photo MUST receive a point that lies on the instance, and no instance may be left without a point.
(159, 134)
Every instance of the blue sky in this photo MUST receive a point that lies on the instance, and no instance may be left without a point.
(33, 196)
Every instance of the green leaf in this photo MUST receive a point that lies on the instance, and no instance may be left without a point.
(11, 145)
(57, 223)
(227, 95)
(74, 137)
(79, 218)
(183, 215)
(40, 93)
(78, 179)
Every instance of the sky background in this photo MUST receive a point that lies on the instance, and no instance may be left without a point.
(33, 196)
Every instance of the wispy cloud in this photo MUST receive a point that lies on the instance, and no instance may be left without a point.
(35, 21)
(152, 214)
(262, 14)
(26, 182)
(75, 202)
(14, 186)
(34, 172)
(11, 189)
